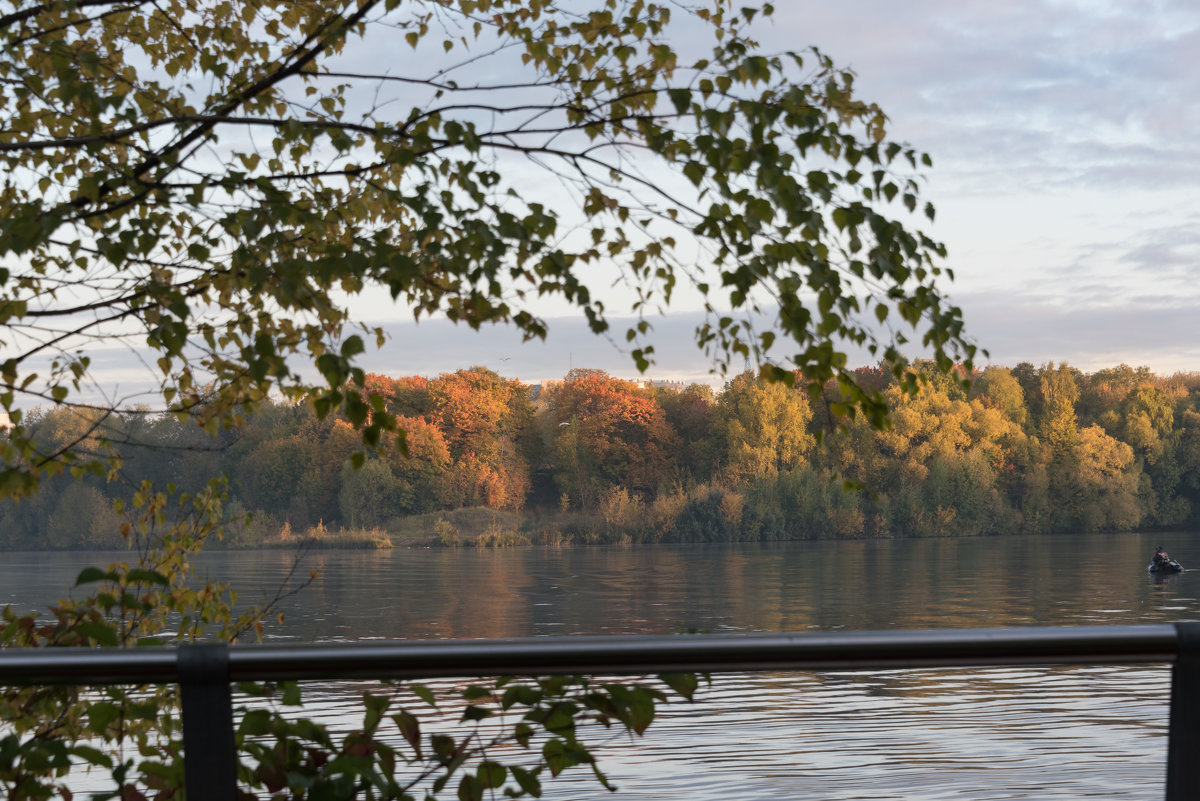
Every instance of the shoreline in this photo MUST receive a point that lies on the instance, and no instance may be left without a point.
(377, 541)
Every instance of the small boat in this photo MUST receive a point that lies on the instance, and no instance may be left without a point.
(1169, 566)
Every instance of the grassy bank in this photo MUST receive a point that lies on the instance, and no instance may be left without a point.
(707, 513)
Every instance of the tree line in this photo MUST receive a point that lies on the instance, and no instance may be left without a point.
(593, 458)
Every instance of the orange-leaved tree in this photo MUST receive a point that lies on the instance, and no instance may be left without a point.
(608, 432)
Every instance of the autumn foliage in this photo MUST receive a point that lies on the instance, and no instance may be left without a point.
(595, 458)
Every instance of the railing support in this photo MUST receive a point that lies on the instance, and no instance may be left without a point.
(208, 744)
(1183, 745)
(205, 672)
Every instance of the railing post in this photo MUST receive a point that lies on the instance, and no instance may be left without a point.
(209, 752)
(1183, 742)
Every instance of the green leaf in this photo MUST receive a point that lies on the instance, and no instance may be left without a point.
(475, 713)
(376, 705)
(423, 693)
(558, 718)
(291, 694)
(681, 99)
(255, 723)
(637, 705)
(491, 774)
(520, 694)
(443, 748)
(139, 576)
(410, 729)
(841, 218)
(527, 780)
(683, 683)
(100, 715)
(523, 733)
(474, 692)
(101, 633)
(469, 789)
(92, 756)
(92, 574)
(560, 755)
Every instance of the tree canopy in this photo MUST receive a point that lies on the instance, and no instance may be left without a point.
(219, 184)
(594, 458)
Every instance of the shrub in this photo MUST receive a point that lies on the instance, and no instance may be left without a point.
(446, 533)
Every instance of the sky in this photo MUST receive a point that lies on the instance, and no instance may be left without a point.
(1066, 179)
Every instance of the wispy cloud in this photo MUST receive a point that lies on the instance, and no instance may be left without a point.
(1038, 91)
(435, 346)
(1158, 331)
(1066, 161)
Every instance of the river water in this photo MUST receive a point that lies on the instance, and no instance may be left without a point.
(997, 733)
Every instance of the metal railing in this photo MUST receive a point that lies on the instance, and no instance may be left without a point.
(205, 672)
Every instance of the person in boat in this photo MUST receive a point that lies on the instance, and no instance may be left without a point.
(1160, 557)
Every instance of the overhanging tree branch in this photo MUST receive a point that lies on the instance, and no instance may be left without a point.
(224, 205)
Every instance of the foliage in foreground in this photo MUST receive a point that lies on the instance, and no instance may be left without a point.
(212, 185)
(414, 741)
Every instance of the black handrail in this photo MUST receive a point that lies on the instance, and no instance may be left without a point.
(206, 671)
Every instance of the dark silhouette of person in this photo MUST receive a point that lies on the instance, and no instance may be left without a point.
(1160, 557)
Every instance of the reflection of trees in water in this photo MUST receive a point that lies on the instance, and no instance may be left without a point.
(1066, 731)
(826, 586)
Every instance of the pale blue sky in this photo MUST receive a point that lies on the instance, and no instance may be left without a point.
(1066, 177)
(1067, 168)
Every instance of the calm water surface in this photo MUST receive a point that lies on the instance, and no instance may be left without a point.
(997, 733)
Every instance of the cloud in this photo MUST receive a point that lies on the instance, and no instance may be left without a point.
(1161, 332)
(1169, 251)
(1104, 329)
(1101, 329)
(435, 346)
(1025, 93)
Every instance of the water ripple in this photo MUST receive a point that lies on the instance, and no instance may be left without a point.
(918, 735)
